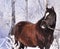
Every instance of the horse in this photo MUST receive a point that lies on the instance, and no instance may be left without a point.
(38, 34)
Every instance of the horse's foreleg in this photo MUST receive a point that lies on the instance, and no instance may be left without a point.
(47, 46)
(21, 46)
(41, 47)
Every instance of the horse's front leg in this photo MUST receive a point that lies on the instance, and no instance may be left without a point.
(41, 47)
(21, 46)
(47, 45)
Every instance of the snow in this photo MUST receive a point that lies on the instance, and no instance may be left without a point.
(35, 13)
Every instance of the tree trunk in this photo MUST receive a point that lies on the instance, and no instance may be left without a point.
(13, 15)
(26, 9)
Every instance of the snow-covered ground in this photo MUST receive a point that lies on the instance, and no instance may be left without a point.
(36, 9)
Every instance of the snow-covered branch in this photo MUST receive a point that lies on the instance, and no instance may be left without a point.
(11, 43)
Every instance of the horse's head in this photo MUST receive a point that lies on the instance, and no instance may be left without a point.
(49, 17)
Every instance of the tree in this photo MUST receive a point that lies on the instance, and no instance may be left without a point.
(13, 12)
(26, 9)
(13, 15)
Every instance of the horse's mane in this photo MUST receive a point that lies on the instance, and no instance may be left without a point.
(40, 21)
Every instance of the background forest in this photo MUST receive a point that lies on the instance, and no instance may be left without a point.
(26, 10)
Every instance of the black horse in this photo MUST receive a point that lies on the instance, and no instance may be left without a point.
(39, 34)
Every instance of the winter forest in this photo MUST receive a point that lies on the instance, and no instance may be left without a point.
(14, 11)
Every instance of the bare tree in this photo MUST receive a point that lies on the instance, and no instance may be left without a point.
(13, 15)
(13, 12)
(40, 5)
(26, 9)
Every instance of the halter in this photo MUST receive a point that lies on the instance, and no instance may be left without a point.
(53, 28)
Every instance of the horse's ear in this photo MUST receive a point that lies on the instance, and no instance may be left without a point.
(52, 8)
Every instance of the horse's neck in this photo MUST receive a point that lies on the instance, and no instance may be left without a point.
(39, 22)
